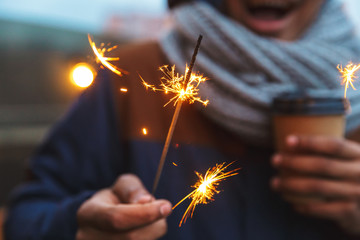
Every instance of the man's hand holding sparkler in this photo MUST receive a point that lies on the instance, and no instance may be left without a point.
(124, 211)
(326, 174)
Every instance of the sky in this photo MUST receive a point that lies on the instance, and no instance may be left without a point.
(90, 15)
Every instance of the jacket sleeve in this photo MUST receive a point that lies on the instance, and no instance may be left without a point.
(80, 156)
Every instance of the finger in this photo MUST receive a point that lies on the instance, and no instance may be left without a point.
(324, 145)
(145, 199)
(129, 189)
(95, 234)
(88, 234)
(318, 165)
(152, 231)
(301, 199)
(345, 213)
(308, 186)
(125, 217)
(94, 207)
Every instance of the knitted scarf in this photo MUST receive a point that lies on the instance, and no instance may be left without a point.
(247, 71)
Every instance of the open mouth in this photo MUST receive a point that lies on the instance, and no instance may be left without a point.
(271, 10)
(270, 17)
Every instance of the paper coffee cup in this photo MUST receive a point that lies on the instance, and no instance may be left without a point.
(302, 114)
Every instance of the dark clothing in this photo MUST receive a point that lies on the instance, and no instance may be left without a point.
(101, 138)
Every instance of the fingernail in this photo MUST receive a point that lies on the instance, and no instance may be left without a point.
(144, 199)
(165, 210)
(292, 141)
(275, 183)
(276, 160)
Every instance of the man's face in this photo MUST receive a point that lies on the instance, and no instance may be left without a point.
(282, 19)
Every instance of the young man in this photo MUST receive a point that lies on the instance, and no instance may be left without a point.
(81, 186)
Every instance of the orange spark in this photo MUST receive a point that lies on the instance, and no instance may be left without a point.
(174, 83)
(144, 130)
(206, 188)
(174, 164)
(348, 75)
(123, 89)
(100, 54)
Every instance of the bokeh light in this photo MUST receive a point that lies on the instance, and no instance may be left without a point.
(82, 75)
(144, 131)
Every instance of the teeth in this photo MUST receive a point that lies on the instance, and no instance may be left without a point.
(272, 3)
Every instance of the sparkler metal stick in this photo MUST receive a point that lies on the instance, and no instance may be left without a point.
(192, 62)
(175, 118)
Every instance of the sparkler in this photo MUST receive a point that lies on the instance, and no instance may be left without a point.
(100, 54)
(174, 83)
(206, 188)
(185, 89)
(348, 75)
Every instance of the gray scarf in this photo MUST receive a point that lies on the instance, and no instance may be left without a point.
(247, 71)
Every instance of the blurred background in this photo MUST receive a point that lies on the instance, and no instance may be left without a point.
(41, 41)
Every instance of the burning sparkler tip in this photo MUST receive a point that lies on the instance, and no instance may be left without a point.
(348, 75)
(206, 188)
(99, 52)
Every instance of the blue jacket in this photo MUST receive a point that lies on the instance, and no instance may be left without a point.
(100, 138)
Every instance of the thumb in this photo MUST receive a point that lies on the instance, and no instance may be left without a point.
(125, 217)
